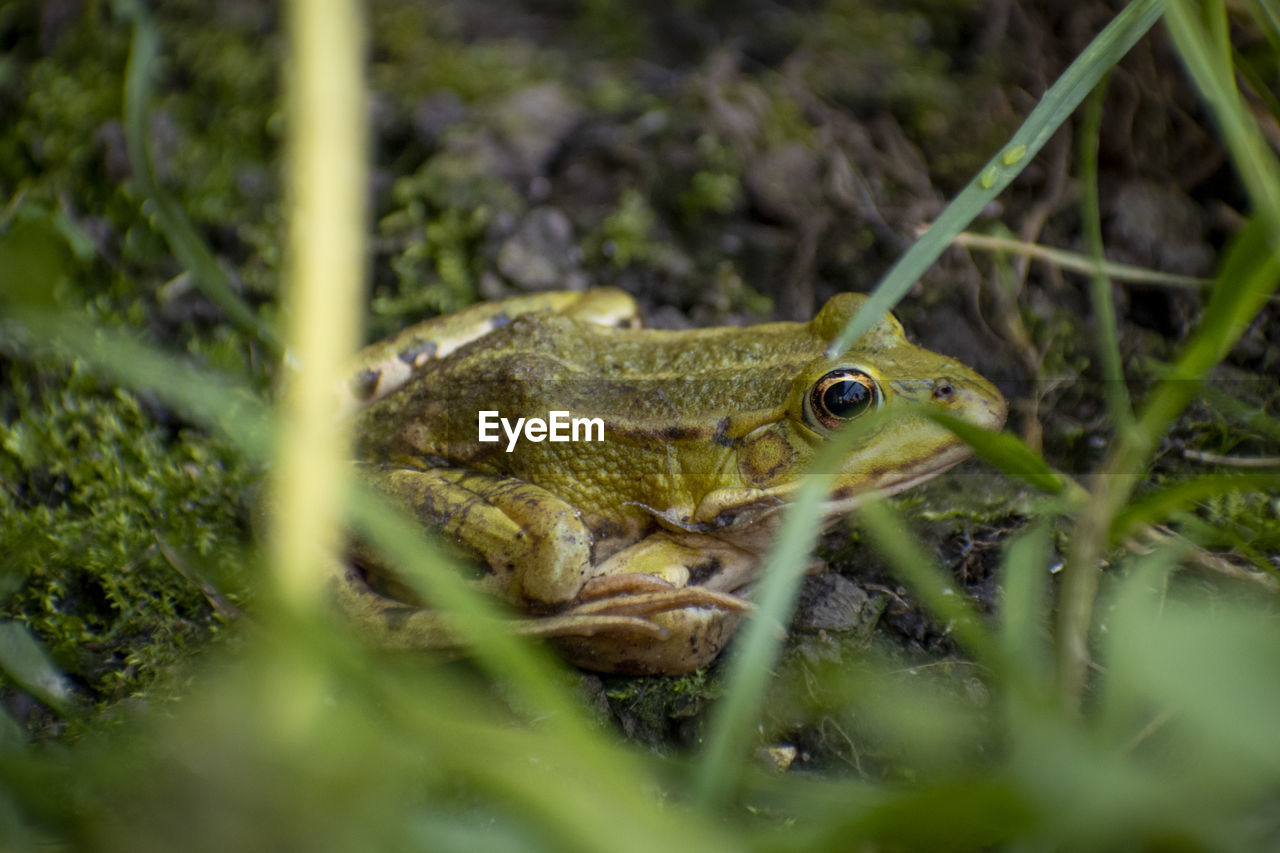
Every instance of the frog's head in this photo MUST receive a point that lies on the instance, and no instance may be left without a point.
(881, 374)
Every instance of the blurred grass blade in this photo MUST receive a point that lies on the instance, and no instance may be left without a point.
(232, 410)
(1139, 592)
(1024, 615)
(974, 814)
(475, 618)
(13, 738)
(757, 645)
(168, 216)
(215, 401)
(1054, 108)
(1249, 415)
(24, 660)
(1266, 15)
(936, 588)
(574, 784)
(1004, 450)
(1205, 49)
(1213, 672)
(1249, 275)
(1104, 313)
(324, 292)
(1157, 506)
(34, 262)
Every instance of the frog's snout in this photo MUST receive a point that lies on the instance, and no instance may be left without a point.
(970, 397)
(980, 402)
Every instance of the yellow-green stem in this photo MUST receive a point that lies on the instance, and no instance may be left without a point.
(326, 177)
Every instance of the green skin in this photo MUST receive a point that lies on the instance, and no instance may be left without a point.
(634, 551)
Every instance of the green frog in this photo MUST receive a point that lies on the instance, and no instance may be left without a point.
(616, 485)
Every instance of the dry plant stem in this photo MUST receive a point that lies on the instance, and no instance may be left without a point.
(1111, 488)
(1211, 564)
(1079, 263)
(326, 157)
(1233, 461)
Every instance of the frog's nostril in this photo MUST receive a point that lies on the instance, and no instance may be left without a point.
(943, 389)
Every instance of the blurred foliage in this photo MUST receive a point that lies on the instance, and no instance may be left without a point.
(123, 513)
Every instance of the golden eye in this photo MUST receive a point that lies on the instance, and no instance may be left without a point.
(842, 395)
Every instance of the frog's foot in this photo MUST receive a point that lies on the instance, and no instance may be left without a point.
(392, 624)
(643, 625)
(628, 604)
(644, 595)
(671, 641)
(588, 625)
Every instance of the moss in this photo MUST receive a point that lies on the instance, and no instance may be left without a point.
(711, 191)
(627, 235)
(663, 710)
(418, 50)
(434, 236)
(94, 492)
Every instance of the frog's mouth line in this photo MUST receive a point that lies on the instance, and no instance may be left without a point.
(844, 500)
(839, 502)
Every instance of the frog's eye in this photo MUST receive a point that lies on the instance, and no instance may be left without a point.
(842, 395)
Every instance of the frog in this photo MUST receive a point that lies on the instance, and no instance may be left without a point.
(633, 549)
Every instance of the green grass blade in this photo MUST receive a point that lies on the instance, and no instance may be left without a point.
(758, 643)
(1004, 450)
(1209, 63)
(1053, 109)
(222, 405)
(1250, 274)
(168, 216)
(981, 813)
(216, 401)
(1100, 284)
(26, 662)
(1154, 508)
(1024, 608)
(476, 618)
(935, 587)
(323, 294)
(1247, 278)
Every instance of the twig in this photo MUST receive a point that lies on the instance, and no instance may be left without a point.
(1233, 461)
(1079, 263)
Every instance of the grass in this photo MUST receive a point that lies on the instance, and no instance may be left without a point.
(1138, 712)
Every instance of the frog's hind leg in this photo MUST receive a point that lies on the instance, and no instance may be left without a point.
(390, 624)
(650, 628)
(382, 621)
(664, 604)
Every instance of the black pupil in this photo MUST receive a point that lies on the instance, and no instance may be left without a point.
(846, 398)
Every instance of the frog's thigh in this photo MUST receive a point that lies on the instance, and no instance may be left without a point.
(523, 531)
